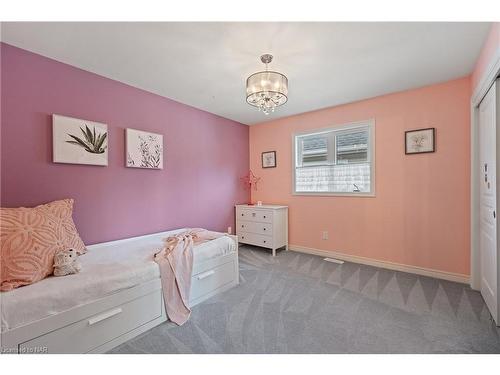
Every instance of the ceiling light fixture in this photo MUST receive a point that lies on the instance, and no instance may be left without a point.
(267, 90)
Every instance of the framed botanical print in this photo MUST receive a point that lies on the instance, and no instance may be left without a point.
(77, 141)
(420, 141)
(143, 149)
(269, 159)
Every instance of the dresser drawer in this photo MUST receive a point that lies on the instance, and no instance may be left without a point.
(256, 239)
(89, 333)
(262, 216)
(254, 227)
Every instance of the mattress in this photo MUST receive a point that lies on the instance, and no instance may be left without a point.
(106, 269)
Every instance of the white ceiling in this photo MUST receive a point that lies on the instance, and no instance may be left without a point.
(205, 65)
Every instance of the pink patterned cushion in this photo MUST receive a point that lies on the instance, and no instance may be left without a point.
(29, 238)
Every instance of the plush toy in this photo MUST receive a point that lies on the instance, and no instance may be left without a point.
(66, 262)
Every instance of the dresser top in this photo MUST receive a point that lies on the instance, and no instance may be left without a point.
(264, 206)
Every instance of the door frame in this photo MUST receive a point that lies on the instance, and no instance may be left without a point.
(485, 82)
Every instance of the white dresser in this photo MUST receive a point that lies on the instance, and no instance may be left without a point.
(265, 226)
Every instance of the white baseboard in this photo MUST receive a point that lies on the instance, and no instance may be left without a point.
(456, 277)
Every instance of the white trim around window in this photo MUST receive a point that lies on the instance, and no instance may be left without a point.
(339, 129)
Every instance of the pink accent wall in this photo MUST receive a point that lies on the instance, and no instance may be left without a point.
(204, 158)
(490, 48)
(420, 215)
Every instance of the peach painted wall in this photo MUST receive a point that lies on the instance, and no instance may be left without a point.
(420, 215)
(490, 48)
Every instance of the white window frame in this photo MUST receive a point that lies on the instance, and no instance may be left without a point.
(370, 124)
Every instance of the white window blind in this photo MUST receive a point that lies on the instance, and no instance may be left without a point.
(335, 161)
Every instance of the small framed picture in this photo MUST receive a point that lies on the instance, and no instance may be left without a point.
(77, 141)
(143, 149)
(420, 141)
(269, 159)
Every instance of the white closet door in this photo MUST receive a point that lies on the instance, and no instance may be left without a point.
(488, 201)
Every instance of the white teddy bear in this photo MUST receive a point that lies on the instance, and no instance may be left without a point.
(66, 263)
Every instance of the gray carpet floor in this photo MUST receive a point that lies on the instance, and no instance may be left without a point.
(299, 303)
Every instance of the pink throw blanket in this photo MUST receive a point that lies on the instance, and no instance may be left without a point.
(176, 265)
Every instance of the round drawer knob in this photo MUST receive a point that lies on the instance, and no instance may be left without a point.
(264, 241)
(264, 228)
(264, 216)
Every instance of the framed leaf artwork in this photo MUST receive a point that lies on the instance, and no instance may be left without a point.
(77, 141)
(143, 149)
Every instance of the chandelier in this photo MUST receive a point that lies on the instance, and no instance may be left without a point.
(267, 90)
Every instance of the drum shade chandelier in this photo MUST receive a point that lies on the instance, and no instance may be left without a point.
(267, 90)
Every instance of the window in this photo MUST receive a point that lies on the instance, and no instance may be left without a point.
(336, 161)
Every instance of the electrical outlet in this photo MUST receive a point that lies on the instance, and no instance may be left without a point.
(325, 235)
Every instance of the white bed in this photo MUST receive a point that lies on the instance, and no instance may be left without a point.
(118, 273)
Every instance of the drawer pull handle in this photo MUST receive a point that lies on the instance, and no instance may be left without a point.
(243, 226)
(264, 241)
(264, 216)
(103, 316)
(264, 228)
(242, 214)
(205, 275)
(253, 214)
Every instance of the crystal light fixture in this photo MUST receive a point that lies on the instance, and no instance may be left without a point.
(267, 90)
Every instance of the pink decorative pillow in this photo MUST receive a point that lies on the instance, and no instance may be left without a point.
(63, 211)
(29, 238)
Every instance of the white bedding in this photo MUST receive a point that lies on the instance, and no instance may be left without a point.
(106, 269)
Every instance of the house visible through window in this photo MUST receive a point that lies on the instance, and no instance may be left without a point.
(335, 161)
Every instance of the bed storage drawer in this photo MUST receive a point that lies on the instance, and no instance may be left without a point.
(91, 332)
(210, 280)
